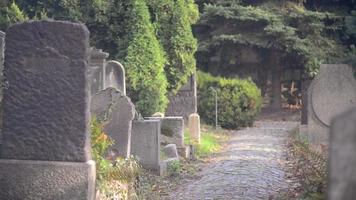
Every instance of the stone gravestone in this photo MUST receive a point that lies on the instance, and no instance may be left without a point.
(194, 127)
(145, 143)
(184, 102)
(46, 148)
(332, 92)
(116, 112)
(97, 70)
(342, 167)
(115, 76)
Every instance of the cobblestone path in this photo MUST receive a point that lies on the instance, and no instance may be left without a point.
(249, 168)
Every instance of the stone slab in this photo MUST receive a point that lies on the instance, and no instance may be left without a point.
(145, 143)
(43, 180)
(172, 130)
(46, 104)
(332, 92)
(342, 167)
(116, 112)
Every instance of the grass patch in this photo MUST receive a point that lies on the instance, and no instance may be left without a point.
(211, 141)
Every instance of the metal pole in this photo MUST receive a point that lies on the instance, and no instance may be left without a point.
(216, 107)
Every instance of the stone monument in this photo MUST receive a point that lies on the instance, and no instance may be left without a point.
(115, 76)
(194, 127)
(184, 102)
(333, 91)
(46, 151)
(116, 112)
(97, 74)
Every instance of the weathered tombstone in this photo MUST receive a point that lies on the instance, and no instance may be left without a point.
(145, 143)
(172, 130)
(342, 167)
(115, 76)
(184, 102)
(116, 112)
(194, 127)
(46, 148)
(332, 92)
(97, 72)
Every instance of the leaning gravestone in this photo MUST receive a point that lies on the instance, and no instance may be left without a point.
(115, 76)
(46, 148)
(184, 102)
(332, 92)
(116, 112)
(342, 167)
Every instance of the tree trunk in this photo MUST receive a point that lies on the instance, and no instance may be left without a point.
(276, 81)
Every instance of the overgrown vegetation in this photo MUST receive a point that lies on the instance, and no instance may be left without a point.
(152, 38)
(239, 101)
(115, 177)
(309, 166)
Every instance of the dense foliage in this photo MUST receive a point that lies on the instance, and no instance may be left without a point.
(172, 21)
(152, 38)
(145, 62)
(302, 37)
(239, 101)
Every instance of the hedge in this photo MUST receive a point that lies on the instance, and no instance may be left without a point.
(239, 101)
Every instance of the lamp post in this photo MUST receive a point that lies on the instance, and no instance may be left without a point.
(216, 106)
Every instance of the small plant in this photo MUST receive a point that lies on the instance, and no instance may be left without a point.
(310, 166)
(174, 168)
(115, 178)
(100, 143)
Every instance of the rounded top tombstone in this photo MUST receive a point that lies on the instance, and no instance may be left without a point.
(332, 92)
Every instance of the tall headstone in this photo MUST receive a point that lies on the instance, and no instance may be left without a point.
(332, 92)
(194, 127)
(97, 72)
(116, 112)
(115, 76)
(46, 151)
(342, 167)
(184, 102)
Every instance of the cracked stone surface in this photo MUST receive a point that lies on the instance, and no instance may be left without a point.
(251, 167)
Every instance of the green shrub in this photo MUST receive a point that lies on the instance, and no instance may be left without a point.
(239, 101)
(144, 62)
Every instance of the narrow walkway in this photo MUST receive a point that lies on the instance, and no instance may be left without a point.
(249, 168)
